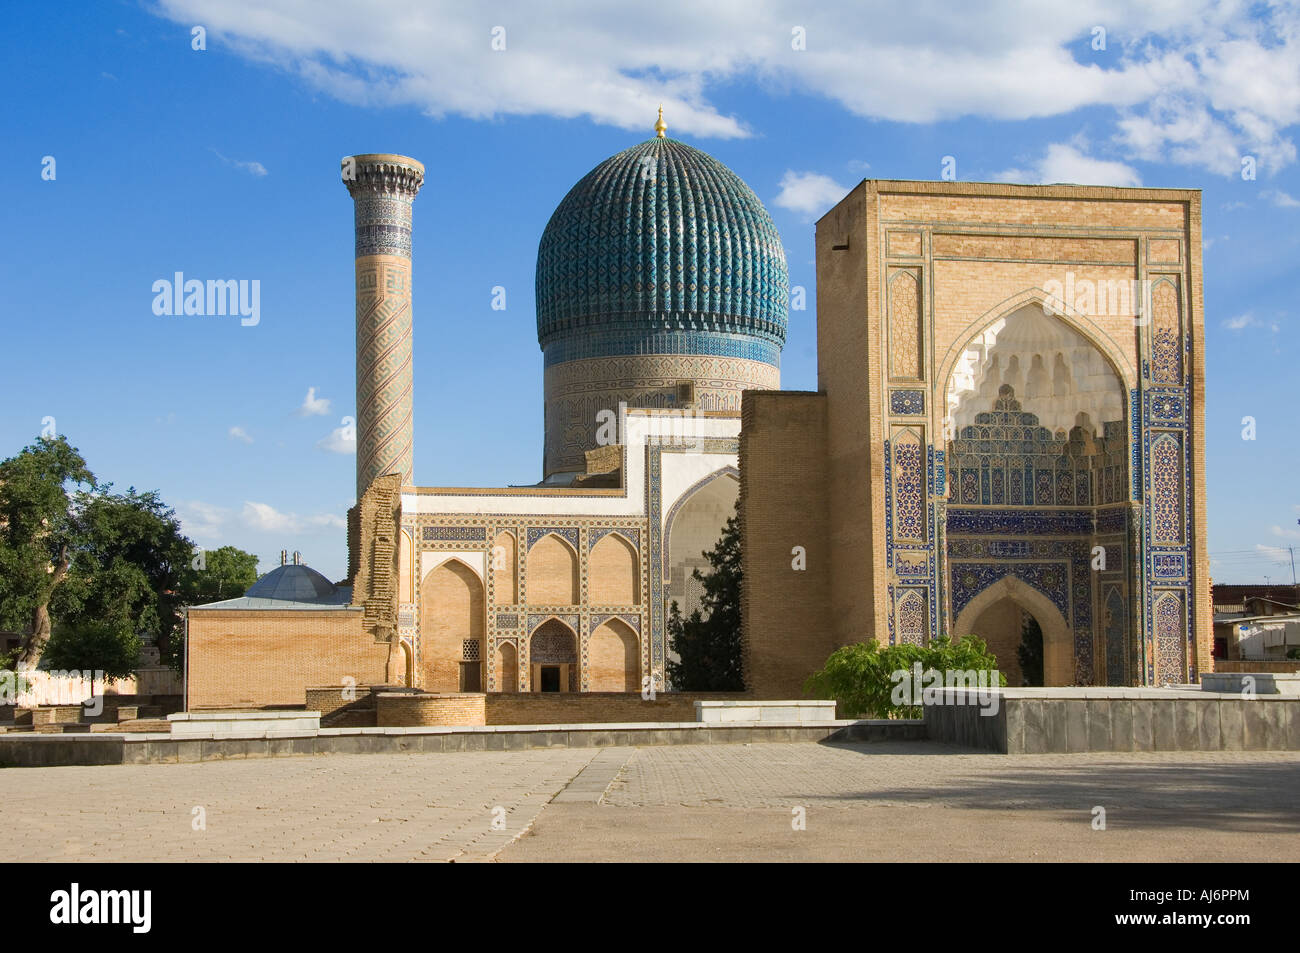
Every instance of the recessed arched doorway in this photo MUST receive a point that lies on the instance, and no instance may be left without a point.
(452, 621)
(553, 655)
(998, 616)
(1036, 460)
(693, 527)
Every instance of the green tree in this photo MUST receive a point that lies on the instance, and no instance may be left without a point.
(708, 643)
(224, 573)
(1030, 651)
(126, 568)
(99, 646)
(862, 677)
(36, 537)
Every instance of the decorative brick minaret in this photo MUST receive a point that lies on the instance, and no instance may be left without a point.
(383, 188)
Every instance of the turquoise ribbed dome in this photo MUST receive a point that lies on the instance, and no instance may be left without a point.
(661, 249)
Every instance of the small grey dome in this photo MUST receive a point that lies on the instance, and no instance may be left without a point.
(292, 583)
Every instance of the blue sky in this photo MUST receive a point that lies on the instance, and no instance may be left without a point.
(223, 163)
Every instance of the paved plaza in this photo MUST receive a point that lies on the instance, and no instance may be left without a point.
(759, 802)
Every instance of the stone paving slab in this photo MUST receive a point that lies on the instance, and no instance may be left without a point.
(593, 781)
(457, 806)
(928, 802)
(877, 801)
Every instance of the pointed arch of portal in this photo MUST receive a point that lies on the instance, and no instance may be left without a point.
(1058, 637)
(554, 643)
(453, 620)
(1081, 324)
(693, 526)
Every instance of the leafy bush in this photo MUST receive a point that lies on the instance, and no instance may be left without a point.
(98, 646)
(861, 677)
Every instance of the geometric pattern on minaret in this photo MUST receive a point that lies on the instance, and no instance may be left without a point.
(383, 188)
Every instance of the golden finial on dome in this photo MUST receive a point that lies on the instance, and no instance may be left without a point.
(660, 126)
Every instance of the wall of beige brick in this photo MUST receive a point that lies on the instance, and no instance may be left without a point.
(535, 708)
(254, 659)
(848, 368)
(783, 504)
(411, 711)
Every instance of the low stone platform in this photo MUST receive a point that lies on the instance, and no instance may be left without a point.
(95, 749)
(240, 723)
(736, 712)
(1068, 720)
(1258, 683)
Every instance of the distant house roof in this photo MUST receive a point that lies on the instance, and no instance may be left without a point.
(1232, 618)
(288, 587)
(1224, 594)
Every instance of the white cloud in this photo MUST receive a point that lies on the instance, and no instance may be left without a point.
(265, 517)
(1281, 199)
(809, 193)
(341, 439)
(1066, 163)
(239, 433)
(202, 520)
(1196, 82)
(1248, 320)
(313, 405)
(252, 168)
(1285, 534)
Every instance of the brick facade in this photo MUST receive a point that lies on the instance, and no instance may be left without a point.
(407, 710)
(783, 505)
(910, 277)
(256, 659)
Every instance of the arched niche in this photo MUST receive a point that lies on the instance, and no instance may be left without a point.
(452, 623)
(553, 573)
(613, 572)
(614, 658)
(693, 527)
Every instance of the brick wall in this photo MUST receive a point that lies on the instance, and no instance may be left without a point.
(410, 711)
(848, 369)
(783, 464)
(977, 251)
(536, 708)
(256, 658)
(328, 699)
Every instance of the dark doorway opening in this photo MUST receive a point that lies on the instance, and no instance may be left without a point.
(550, 678)
(1030, 653)
(470, 677)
